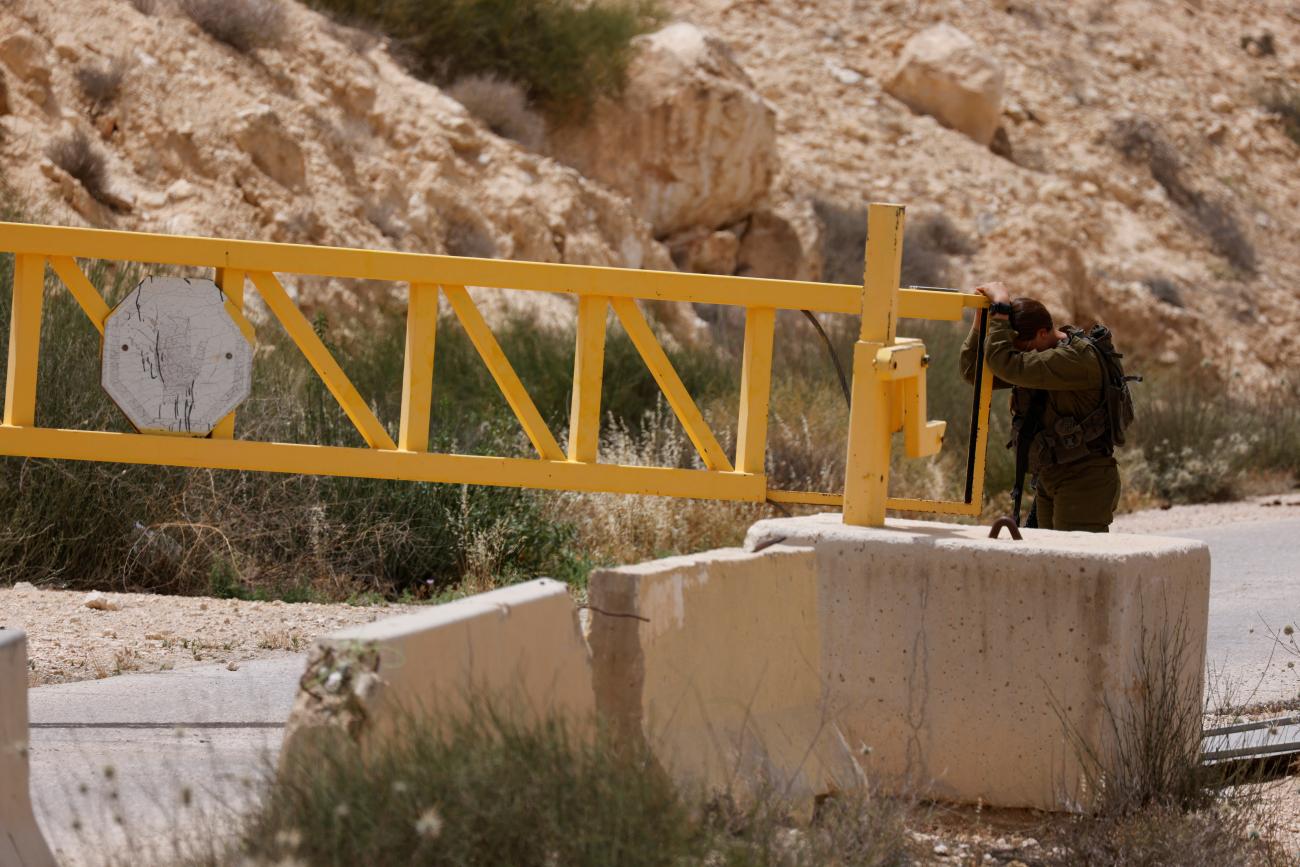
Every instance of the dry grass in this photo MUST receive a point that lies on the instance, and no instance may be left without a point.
(1151, 801)
(503, 106)
(146, 7)
(930, 243)
(488, 789)
(101, 83)
(77, 155)
(1141, 140)
(1283, 101)
(616, 529)
(244, 25)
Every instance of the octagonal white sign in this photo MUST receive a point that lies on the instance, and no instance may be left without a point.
(174, 360)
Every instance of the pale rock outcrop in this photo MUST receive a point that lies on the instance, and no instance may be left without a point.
(783, 240)
(23, 53)
(320, 142)
(706, 252)
(943, 73)
(263, 137)
(691, 142)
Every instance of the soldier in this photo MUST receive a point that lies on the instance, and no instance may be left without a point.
(1058, 404)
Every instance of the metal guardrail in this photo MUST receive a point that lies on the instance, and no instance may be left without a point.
(888, 387)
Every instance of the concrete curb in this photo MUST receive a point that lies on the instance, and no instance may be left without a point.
(520, 644)
(21, 842)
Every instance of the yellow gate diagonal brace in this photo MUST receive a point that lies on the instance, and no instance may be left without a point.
(634, 323)
(82, 290)
(300, 331)
(507, 380)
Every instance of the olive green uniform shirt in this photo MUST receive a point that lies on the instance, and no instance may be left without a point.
(1077, 496)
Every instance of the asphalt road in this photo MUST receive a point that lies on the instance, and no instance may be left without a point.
(1254, 590)
(134, 758)
(121, 766)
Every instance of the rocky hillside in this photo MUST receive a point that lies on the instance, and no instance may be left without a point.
(1136, 176)
(321, 139)
(1125, 161)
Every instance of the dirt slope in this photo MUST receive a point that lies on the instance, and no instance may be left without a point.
(1071, 218)
(323, 140)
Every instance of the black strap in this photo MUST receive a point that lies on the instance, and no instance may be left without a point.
(977, 399)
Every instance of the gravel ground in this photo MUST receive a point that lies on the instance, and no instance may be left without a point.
(69, 641)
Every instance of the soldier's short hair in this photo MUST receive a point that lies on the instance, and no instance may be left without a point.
(1028, 317)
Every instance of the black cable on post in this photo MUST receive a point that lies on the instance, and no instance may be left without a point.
(975, 407)
(835, 360)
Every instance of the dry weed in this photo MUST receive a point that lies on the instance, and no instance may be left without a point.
(503, 106)
(81, 158)
(101, 83)
(244, 25)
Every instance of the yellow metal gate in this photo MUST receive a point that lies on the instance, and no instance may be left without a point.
(888, 391)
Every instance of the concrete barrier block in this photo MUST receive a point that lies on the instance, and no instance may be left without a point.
(519, 645)
(715, 661)
(961, 661)
(21, 841)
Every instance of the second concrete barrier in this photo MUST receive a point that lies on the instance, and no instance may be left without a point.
(21, 841)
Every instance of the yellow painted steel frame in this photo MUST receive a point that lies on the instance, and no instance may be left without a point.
(888, 381)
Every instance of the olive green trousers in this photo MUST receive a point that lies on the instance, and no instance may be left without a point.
(1078, 496)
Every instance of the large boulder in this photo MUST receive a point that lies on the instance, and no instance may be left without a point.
(23, 53)
(691, 142)
(943, 73)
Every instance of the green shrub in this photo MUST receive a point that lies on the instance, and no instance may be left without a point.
(565, 54)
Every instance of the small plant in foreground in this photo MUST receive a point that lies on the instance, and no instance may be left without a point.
(81, 158)
(1151, 801)
(488, 789)
(244, 25)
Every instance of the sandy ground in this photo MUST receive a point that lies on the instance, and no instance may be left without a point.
(69, 641)
(1267, 508)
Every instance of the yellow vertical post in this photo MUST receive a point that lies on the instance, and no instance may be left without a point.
(417, 368)
(24, 340)
(231, 282)
(755, 389)
(866, 482)
(588, 373)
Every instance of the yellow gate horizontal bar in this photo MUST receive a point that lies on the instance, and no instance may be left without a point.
(896, 504)
(462, 271)
(378, 464)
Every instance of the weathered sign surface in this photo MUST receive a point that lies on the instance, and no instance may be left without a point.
(174, 360)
